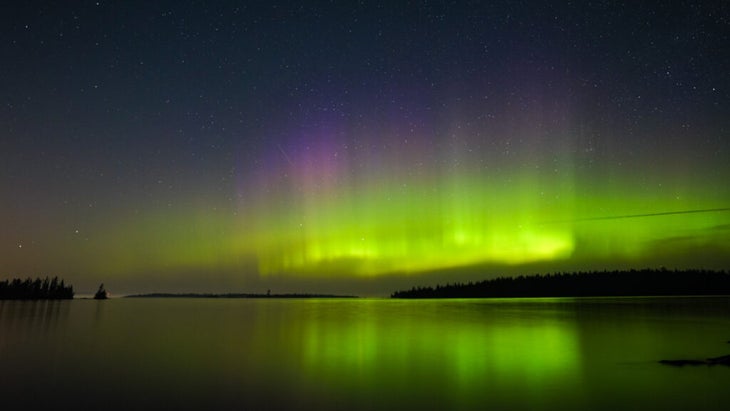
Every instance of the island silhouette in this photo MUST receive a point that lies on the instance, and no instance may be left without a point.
(644, 282)
(101, 294)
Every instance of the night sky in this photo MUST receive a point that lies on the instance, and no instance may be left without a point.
(360, 147)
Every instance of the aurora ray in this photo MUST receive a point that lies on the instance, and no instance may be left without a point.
(194, 147)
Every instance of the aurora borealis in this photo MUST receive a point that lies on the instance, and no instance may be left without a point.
(359, 148)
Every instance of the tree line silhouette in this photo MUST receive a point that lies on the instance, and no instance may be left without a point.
(648, 282)
(38, 289)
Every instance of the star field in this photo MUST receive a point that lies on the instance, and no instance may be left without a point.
(356, 146)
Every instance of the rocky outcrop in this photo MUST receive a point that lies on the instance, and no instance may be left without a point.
(722, 360)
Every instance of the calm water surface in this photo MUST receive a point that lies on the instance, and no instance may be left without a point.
(363, 354)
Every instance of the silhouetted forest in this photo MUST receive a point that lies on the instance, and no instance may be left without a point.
(29, 289)
(647, 282)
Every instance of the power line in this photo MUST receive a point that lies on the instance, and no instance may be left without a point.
(625, 216)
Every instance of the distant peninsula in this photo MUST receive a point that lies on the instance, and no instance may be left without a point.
(38, 289)
(644, 282)
(235, 295)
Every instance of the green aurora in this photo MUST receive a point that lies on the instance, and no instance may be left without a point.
(177, 148)
(374, 229)
(323, 215)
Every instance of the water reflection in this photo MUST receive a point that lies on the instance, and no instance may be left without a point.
(465, 348)
(24, 320)
(361, 354)
(379, 351)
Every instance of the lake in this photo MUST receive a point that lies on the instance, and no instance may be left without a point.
(521, 354)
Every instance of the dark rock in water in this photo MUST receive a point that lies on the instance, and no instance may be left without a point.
(723, 360)
(682, 363)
